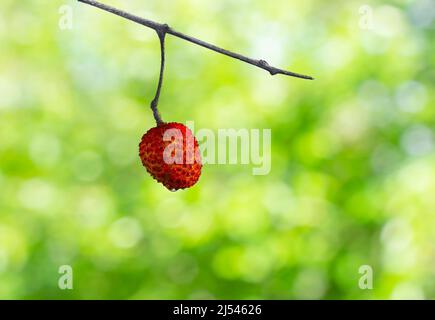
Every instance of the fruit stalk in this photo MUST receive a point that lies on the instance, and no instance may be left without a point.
(155, 102)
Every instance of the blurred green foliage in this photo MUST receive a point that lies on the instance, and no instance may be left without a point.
(353, 164)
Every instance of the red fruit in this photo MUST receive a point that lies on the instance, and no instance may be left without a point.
(170, 153)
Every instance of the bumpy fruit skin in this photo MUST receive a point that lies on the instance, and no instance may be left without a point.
(180, 175)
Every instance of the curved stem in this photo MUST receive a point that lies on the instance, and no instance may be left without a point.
(161, 32)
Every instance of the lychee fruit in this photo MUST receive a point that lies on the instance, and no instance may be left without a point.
(170, 153)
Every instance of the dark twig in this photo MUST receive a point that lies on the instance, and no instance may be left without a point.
(158, 27)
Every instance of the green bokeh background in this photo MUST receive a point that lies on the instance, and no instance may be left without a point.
(353, 164)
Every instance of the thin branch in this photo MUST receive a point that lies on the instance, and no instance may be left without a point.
(164, 28)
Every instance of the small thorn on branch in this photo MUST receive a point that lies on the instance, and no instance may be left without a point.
(263, 63)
